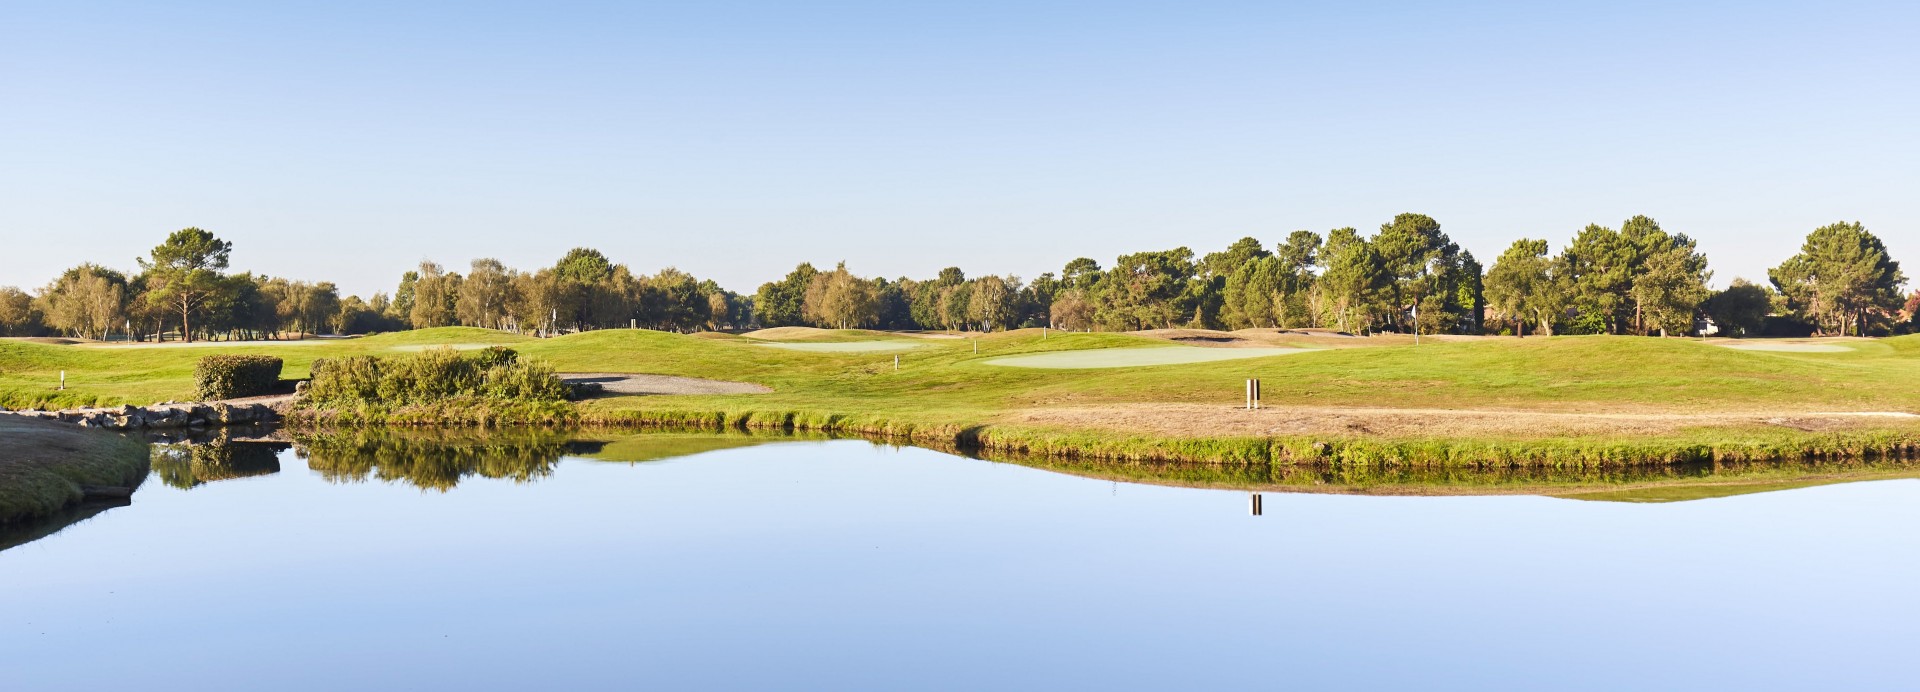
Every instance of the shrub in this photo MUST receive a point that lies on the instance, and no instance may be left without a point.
(232, 377)
(488, 384)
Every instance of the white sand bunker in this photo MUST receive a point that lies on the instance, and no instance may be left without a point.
(1136, 357)
(849, 346)
(1787, 347)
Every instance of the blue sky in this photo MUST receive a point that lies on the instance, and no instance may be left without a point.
(348, 141)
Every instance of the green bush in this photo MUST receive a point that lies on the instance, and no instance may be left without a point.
(232, 377)
(437, 375)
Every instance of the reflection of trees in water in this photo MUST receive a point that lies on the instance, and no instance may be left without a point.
(186, 465)
(431, 459)
(1414, 480)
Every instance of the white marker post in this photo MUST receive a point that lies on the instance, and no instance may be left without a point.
(896, 363)
(63, 380)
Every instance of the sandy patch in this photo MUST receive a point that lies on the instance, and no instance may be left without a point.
(644, 385)
(1204, 420)
(1138, 357)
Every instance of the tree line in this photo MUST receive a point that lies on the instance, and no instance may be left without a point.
(1408, 276)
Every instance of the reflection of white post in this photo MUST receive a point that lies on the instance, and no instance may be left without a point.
(896, 363)
(1253, 504)
(1256, 393)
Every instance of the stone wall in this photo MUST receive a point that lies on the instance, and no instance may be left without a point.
(165, 416)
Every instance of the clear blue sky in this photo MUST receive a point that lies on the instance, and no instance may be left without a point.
(347, 141)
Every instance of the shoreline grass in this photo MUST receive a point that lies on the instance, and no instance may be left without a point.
(44, 466)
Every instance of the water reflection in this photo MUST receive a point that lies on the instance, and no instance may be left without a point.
(432, 459)
(1665, 483)
(188, 465)
(441, 459)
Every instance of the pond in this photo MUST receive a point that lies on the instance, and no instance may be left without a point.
(541, 561)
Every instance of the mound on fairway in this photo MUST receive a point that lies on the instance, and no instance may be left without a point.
(1136, 357)
(416, 348)
(848, 346)
(1788, 347)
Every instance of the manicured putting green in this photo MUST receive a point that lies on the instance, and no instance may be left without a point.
(1788, 347)
(1136, 357)
(849, 346)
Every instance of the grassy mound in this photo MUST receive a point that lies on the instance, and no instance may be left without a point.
(44, 464)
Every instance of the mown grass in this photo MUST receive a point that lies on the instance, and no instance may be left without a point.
(44, 464)
(945, 393)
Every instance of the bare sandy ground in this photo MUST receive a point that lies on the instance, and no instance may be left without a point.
(1203, 420)
(644, 385)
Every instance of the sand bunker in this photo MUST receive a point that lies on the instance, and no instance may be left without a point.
(1787, 347)
(1136, 357)
(848, 346)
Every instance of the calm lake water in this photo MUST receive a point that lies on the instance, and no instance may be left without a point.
(731, 564)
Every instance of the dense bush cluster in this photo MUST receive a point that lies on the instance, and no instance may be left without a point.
(232, 377)
(430, 377)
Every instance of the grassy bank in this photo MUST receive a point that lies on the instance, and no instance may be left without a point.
(43, 465)
(1380, 400)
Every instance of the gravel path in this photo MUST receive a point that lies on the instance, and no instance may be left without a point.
(627, 383)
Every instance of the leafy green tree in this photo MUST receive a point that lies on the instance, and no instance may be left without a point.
(1843, 280)
(1036, 300)
(1668, 290)
(992, 302)
(927, 308)
(183, 273)
(485, 294)
(1420, 263)
(1353, 281)
(435, 298)
(1071, 310)
(1521, 286)
(840, 299)
(679, 303)
(536, 300)
(1599, 265)
(1230, 260)
(86, 301)
(18, 316)
(1741, 309)
(581, 279)
(1252, 296)
(1080, 273)
(779, 303)
(1145, 290)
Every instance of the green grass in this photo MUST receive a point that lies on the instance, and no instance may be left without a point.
(1136, 357)
(946, 392)
(44, 464)
(847, 346)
